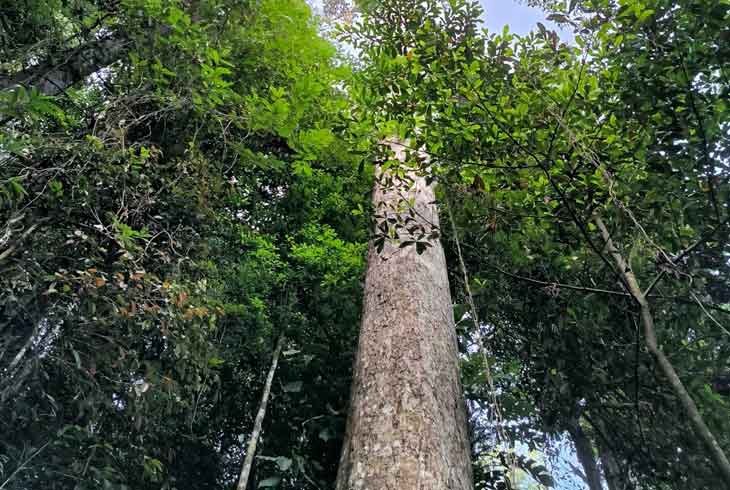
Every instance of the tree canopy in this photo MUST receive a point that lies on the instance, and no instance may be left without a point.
(183, 183)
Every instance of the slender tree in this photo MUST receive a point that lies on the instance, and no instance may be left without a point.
(260, 414)
(407, 420)
(701, 430)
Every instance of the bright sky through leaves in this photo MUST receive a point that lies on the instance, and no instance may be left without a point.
(520, 17)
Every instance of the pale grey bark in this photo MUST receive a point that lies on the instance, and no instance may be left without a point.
(701, 430)
(258, 422)
(55, 75)
(407, 426)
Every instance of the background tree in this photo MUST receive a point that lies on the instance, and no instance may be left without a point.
(164, 220)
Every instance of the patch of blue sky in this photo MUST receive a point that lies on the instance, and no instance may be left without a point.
(520, 17)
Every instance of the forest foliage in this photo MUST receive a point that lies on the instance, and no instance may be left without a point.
(183, 182)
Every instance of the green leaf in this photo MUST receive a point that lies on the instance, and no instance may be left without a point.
(422, 247)
(293, 387)
(269, 482)
(215, 362)
(326, 434)
(283, 463)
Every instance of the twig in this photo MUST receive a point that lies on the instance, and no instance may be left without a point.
(557, 284)
(22, 465)
(709, 315)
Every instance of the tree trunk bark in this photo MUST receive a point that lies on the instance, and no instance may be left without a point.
(52, 77)
(701, 430)
(407, 426)
(584, 450)
(258, 422)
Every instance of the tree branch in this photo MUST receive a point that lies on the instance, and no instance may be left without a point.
(52, 77)
(702, 431)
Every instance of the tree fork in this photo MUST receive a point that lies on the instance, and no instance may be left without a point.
(698, 424)
(407, 425)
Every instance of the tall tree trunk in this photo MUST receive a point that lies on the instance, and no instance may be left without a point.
(253, 439)
(701, 430)
(586, 456)
(407, 425)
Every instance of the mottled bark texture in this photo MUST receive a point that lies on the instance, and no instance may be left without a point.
(55, 75)
(407, 426)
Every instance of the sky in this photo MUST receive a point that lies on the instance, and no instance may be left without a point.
(520, 18)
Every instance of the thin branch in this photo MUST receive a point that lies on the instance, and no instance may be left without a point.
(705, 143)
(557, 284)
(654, 282)
(709, 234)
(475, 317)
(709, 315)
(576, 220)
(22, 465)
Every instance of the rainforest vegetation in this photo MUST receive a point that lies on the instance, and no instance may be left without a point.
(202, 201)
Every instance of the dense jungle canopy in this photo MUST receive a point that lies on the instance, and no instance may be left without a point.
(185, 193)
